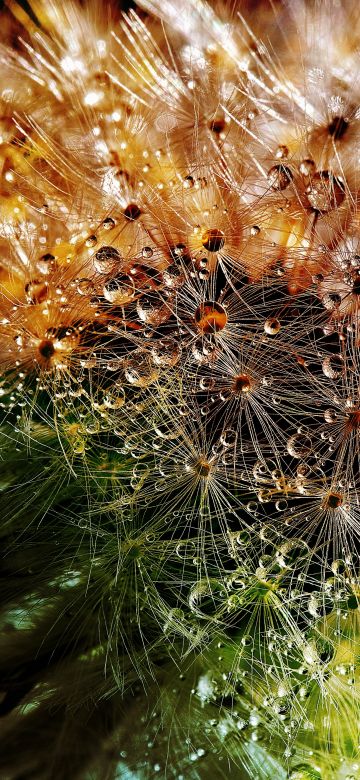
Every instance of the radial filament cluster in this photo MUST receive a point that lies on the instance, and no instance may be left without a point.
(180, 307)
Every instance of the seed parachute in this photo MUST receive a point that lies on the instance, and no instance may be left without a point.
(179, 390)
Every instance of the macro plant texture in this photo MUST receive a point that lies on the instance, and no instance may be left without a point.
(180, 390)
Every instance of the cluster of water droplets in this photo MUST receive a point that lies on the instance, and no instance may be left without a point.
(189, 324)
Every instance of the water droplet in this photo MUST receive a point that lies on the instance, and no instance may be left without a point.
(333, 366)
(90, 241)
(188, 182)
(186, 549)
(307, 167)
(330, 416)
(325, 191)
(206, 383)
(85, 286)
(166, 352)
(228, 437)
(305, 772)
(174, 276)
(331, 301)
(207, 598)
(115, 399)
(174, 622)
(115, 365)
(36, 291)
(338, 567)
(204, 351)
(291, 552)
(272, 326)
(279, 177)
(106, 259)
(108, 223)
(92, 426)
(46, 264)
(153, 310)
(119, 290)
(299, 445)
(139, 370)
(210, 317)
(78, 446)
(132, 212)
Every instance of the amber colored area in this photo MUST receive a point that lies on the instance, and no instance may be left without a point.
(354, 419)
(213, 240)
(241, 384)
(210, 317)
(333, 501)
(202, 468)
(46, 349)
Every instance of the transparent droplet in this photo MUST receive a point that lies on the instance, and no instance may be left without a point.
(204, 351)
(307, 167)
(115, 365)
(330, 416)
(279, 177)
(305, 772)
(140, 370)
(119, 290)
(338, 567)
(175, 621)
(115, 399)
(92, 426)
(85, 286)
(91, 241)
(106, 259)
(299, 445)
(325, 191)
(207, 383)
(152, 310)
(78, 446)
(333, 366)
(46, 263)
(203, 274)
(331, 301)
(174, 276)
(186, 549)
(208, 597)
(166, 352)
(228, 437)
(292, 551)
(272, 326)
(325, 650)
(108, 223)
